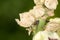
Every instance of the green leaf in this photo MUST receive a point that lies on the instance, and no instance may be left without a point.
(39, 27)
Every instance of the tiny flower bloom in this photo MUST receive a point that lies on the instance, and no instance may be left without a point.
(38, 12)
(41, 35)
(26, 19)
(45, 35)
(53, 25)
(51, 4)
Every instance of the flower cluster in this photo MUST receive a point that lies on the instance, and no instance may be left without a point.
(49, 32)
(38, 11)
(34, 19)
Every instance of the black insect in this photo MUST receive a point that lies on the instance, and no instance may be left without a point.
(36, 22)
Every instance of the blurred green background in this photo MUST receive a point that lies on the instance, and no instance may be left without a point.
(9, 10)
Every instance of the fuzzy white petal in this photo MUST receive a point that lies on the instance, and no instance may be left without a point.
(51, 4)
(38, 12)
(44, 35)
(26, 19)
(41, 35)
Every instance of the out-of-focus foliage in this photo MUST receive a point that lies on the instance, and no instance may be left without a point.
(9, 10)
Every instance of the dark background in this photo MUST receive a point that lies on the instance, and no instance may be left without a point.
(9, 10)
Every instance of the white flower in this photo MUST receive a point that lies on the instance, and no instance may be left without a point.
(26, 19)
(45, 35)
(38, 12)
(53, 24)
(41, 35)
(51, 4)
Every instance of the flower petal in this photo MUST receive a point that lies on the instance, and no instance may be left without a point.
(26, 19)
(51, 4)
(38, 12)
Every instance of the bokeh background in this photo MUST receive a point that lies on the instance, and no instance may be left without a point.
(9, 10)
